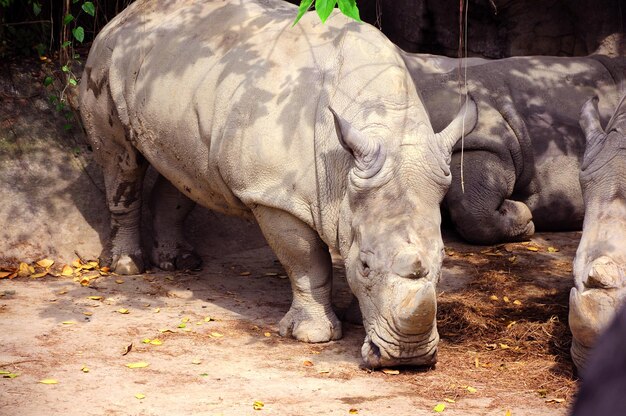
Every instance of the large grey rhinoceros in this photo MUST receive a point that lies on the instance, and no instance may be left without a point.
(316, 131)
(521, 162)
(600, 262)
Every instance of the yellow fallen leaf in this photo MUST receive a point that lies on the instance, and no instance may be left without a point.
(38, 275)
(123, 311)
(552, 249)
(471, 389)
(119, 281)
(555, 400)
(67, 271)
(2, 372)
(164, 330)
(512, 259)
(493, 297)
(68, 322)
(517, 302)
(244, 274)
(197, 361)
(267, 334)
(505, 299)
(353, 411)
(532, 248)
(145, 341)
(62, 292)
(183, 325)
(87, 313)
(307, 363)
(156, 310)
(440, 407)
(140, 396)
(504, 346)
(390, 371)
(23, 270)
(511, 323)
(449, 400)
(476, 362)
(77, 263)
(324, 371)
(48, 381)
(85, 369)
(139, 364)
(45, 263)
(507, 413)
(95, 297)
(7, 374)
(185, 320)
(216, 335)
(258, 405)
(156, 342)
(271, 274)
(5, 274)
(208, 319)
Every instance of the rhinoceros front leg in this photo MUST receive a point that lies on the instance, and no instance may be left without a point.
(169, 209)
(483, 214)
(124, 168)
(308, 264)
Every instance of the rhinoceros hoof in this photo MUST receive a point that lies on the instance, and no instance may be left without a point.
(128, 264)
(301, 326)
(185, 260)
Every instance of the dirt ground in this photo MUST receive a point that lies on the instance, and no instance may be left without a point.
(502, 311)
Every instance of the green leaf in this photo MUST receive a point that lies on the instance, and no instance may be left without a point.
(66, 43)
(67, 127)
(48, 81)
(348, 7)
(89, 8)
(304, 6)
(68, 18)
(65, 68)
(324, 8)
(79, 33)
(36, 8)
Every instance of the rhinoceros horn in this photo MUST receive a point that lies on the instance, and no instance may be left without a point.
(462, 124)
(590, 119)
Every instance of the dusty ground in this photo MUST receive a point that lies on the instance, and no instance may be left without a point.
(496, 353)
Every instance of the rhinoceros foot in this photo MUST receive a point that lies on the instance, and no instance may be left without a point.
(175, 258)
(301, 325)
(128, 264)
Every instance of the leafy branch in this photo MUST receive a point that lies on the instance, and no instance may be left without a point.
(325, 7)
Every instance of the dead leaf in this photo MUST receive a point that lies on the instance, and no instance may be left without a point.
(4, 274)
(507, 413)
(45, 263)
(156, 310)
(23, 270)
(505, 299)
(353, 411)
(307, 363)
(67, 271)
(493, 297)
(68, 322)
(449, 400)
(123, 311)
(440, 407)
(517, 302)
(267, 334)
(208, 319)
(197, 361)
(324, 371)
(140, 396)
(138, 364)
(48, 381)
(87, 313)
(390, 371)
(512, 259)
(6, 374)
(185, 319)
(95, 297)
(119, 281)
(216, 335)
(84, 369)
(156, 342)
(127, 349)
(164, 330)
(183, 325)
(470, 389)
(491, 346)
(532, 248)
(38, 275)
(555, 400)
(504, 346)
(542, 392)
(244, 274)
(552, 250)
(258, 405)
(512, 322)
(271, 274)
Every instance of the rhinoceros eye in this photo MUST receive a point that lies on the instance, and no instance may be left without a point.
(365, 268)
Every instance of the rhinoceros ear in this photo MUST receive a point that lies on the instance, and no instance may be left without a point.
(462, 124)
(590, 119)
(369, 154)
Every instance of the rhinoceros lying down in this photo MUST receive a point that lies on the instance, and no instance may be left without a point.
(600, 262)
(522, 160)
(316, 131)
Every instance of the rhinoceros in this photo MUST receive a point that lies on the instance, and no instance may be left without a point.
(600, 262)
(315, 131)
(521, 162)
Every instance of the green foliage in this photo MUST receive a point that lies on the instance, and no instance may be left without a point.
(325, 7)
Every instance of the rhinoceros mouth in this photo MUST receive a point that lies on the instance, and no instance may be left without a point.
(377, 352)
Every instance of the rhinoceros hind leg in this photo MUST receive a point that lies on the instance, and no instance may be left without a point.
(482, 213)
(169, 209)
(308, 264)
(124, 170)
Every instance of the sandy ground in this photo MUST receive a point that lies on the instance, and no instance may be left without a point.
(495, 355)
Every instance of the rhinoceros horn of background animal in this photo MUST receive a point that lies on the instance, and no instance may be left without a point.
(600, 262)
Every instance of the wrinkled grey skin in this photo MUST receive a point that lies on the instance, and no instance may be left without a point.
(298, 128)
(600, 262)
(522, 160)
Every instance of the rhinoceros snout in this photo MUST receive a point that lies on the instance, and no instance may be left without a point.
(375, 356)
(604, 273)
